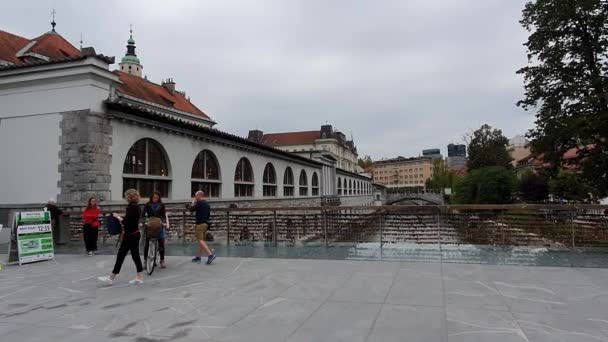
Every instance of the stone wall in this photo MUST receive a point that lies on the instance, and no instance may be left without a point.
(85, 157)
(355, 201)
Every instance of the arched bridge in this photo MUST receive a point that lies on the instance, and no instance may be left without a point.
(416, 198)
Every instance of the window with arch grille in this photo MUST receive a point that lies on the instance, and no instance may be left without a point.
(350, 186)
(315, 184)
(339, 186)
(269, 181)
(206, 174)
(288, 184)
(303, 183)
(146, 169)
(243, 179)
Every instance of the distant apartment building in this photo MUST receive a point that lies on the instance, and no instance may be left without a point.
(326, 141)
(433, 153)
(403, 172)
(457, 156)
(518, 148)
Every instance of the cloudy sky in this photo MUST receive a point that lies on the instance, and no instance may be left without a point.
(400, 75)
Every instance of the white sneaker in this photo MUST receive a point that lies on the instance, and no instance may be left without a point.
(106, 280)
(90, 253)
(136, 281)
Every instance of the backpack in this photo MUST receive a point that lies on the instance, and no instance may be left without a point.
(113, 225)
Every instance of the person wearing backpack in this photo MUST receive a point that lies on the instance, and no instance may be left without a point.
(129, 240)
(90, 226)
(156, 214)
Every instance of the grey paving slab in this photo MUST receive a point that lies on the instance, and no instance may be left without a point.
(558, 327)
(409, 323)
(338, 321)
(242, 299)
(483, 325)
(364, 289)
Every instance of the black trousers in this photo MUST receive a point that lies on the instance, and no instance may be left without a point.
(130, 243)
(161, 248)
(90, 237)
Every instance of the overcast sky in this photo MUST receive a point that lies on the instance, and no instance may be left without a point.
(399, 75)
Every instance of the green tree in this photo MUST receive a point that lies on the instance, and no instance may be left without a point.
(533, 187)
(488, 147)
(442, 176)
(566, 82)
(488, 185)
(366, 162)
(571, 187)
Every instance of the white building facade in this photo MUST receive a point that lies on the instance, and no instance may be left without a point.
(71, 128)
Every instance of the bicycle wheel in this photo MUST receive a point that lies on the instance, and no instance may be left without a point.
(151, 257)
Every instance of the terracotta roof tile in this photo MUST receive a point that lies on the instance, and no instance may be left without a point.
(54, 46)
(291, 138)
(143, 89)
(9, 45)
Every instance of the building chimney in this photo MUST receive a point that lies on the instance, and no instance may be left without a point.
(169, 85)
(255, 135)
(326, 131)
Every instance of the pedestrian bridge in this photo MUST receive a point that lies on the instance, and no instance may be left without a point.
(417, 198)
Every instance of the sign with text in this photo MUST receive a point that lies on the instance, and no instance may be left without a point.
(34, 236)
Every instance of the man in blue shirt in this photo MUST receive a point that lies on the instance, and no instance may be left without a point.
(202, 212)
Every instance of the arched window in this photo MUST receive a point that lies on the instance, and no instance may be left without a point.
(303, 183)
(315, 184)
(288, 186)
(243, 179)
(146, 169)
(206, 174)
(350, 186)
(270, 181)
(339, 186)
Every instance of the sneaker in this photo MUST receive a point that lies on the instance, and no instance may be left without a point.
(90, 253)
(136, 281)
(196, 259)
(162, 264)
(210, 259)
(107, 280)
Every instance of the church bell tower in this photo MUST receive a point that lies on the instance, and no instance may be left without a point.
(130, 63)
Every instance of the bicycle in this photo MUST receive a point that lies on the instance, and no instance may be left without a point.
(152, 254)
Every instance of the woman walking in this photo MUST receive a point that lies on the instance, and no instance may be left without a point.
(156, 214)
(129, 240)
(90, 227)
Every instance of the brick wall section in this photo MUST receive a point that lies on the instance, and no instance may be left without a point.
(85, 157)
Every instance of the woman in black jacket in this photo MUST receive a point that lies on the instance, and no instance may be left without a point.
(130, 240)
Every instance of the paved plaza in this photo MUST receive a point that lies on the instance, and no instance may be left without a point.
(240, 299)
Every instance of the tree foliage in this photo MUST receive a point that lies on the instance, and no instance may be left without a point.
(533, 188)
(566, 82)
(442, 176)
(571, 187)
(488, 147)
(366, 162)
(488, 185)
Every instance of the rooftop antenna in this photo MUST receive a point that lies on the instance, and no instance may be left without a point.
(80, 40)
(53, 23)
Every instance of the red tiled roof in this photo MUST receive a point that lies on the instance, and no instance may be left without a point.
(50, 45)
(143, 89)
(53, 46)
(9, 45)
(291, 138)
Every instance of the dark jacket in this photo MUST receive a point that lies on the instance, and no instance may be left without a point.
(55, 212)
(130, 222)
(202, 212)
(150, 212)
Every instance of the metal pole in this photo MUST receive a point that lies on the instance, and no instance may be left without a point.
(381, 233)
(572, 226)
(275, 234)
(324, 216)
(183, 227)
(228, 227)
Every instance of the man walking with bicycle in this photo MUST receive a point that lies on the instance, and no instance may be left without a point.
(202, 212)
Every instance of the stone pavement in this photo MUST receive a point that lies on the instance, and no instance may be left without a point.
(269, 300)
